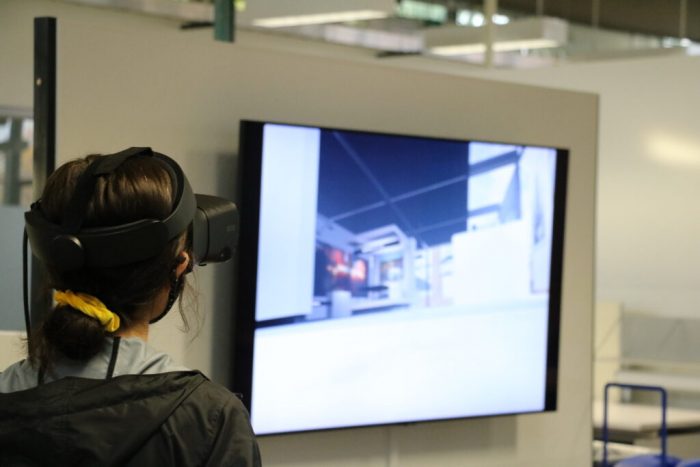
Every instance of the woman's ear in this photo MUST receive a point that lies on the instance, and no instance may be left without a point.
(183, 264)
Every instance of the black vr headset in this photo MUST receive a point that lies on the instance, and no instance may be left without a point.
(70, 247)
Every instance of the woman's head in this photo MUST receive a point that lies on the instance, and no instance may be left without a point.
(139, 188)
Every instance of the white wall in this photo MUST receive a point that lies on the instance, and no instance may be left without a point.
(648, 225)
(130, 80)
(648, 235)
(648, 231)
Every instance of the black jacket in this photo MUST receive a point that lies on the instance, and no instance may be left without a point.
(169, 419)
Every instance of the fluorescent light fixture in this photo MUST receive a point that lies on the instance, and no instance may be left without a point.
(291, 13)
(526, 33)
(425, 11)
(463, 17)
(320, 18)
(500, 19)
(370, 38)
(377, 39)
(186, 11)
(505, 46)
(478, 20)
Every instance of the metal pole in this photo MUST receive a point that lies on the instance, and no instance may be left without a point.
(44, 142)
(490, 8)
(683, 19)
(595, 13)
(663, 432)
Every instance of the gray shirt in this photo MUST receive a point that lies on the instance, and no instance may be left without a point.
(135, 357)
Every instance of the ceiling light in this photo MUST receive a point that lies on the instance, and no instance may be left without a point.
(505, 46)
(372, 38)
(467, 17)
(423, 11)
(320, 18)
(463, 17)
(280, 14)
(527, 33)
(500, 19)
(477, 20)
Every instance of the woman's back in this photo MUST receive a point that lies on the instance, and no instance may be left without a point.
(175, 418)
(91, 391)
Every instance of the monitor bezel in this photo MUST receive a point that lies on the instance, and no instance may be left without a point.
(248, 196)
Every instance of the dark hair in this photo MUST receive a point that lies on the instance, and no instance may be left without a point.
(140, 188)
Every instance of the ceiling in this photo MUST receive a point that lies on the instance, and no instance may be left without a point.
(672, 18)
(368, 181)
(556, 30)
(429, 189)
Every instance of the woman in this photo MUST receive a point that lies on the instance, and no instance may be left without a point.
(91, 391)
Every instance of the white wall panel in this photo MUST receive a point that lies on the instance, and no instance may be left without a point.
(130, 80)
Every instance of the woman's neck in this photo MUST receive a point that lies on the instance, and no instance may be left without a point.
(139, 330)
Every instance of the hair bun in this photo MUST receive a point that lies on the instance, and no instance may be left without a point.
(74, 334)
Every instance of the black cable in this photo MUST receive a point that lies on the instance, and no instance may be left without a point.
(113, 359)
(25, 289)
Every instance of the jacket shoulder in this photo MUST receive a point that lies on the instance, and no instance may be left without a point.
(231, 437)
(211, 427)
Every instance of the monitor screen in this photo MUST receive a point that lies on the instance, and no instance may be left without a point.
(390, 279)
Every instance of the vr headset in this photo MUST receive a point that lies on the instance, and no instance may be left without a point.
(70, 247)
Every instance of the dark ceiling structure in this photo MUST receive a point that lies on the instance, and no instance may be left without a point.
(673, 18)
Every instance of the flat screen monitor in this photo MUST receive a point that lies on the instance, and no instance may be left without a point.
(388, 278)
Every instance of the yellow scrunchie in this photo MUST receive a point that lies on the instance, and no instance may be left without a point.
(89, 305)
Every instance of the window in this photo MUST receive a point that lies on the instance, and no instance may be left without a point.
(16, 149)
